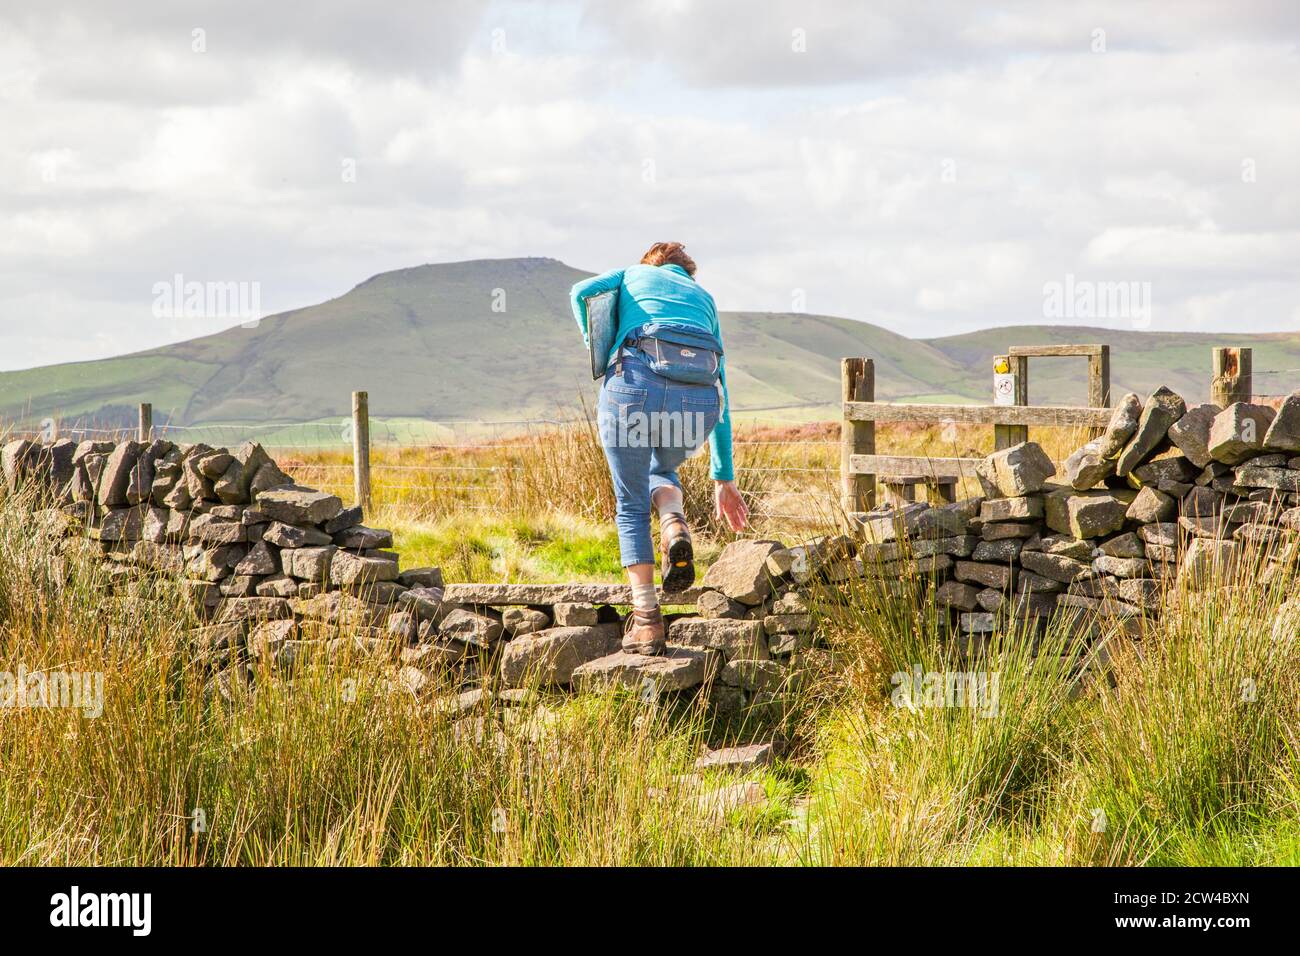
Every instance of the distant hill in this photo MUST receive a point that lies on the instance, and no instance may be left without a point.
(426, 343)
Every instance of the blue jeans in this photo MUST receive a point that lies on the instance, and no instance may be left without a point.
(648, 427)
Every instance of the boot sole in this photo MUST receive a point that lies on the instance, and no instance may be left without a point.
(653, 649)
(678, 569)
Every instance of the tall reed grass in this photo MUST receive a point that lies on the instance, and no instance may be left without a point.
(329, 763)
(1181, 751)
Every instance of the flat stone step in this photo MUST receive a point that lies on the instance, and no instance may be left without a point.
(678, 668)
(504, 595)
(737, 758)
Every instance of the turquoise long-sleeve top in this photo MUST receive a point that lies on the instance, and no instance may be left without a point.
(669, 295)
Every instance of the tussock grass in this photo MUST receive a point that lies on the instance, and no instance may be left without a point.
(1197, 739)
(1188, 757)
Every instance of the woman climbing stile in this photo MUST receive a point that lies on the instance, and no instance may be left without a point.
(664, 394)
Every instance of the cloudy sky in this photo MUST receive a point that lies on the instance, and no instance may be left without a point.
(923, 166)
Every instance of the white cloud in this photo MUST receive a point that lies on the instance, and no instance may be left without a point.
(920, 166)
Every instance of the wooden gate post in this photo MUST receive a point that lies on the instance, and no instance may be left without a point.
(1232, 379)
(145, 430)
(361, 449)
(1099, 378)
(857, 384)
(1004, 436)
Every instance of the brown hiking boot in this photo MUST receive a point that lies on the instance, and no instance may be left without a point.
(644, 632)
(678, 570)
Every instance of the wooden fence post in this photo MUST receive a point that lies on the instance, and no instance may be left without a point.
(1099, 378)
(1004, 436)
(1099, 384)
(1232, 380)
(857, 384)
(361, 448)
(145, 432)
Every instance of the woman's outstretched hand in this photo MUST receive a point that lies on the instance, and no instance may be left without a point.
(729, 505)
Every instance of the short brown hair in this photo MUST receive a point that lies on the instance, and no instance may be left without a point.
(669, 253)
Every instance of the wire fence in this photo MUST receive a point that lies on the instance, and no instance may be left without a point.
(1279, 387)
(788, 468)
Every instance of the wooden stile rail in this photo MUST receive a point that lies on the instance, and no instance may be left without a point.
(861, 468)
(924, 469)
(1026, 415)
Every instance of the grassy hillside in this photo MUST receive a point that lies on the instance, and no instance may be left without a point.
(427, 343)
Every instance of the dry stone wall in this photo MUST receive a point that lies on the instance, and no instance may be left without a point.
(277, 573)
(1165, 494)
